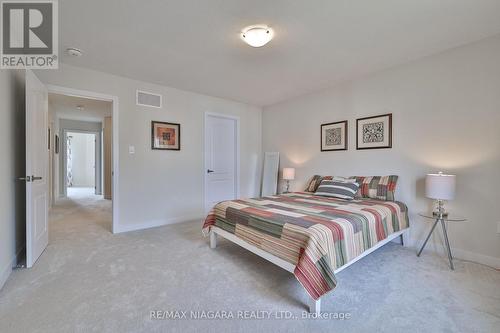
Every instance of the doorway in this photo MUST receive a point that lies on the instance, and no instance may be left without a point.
(78, 158)
(84, 157)
(82, 162)
(222, 156)
(43, 151)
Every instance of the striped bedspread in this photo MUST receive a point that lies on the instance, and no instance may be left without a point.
(316, 234)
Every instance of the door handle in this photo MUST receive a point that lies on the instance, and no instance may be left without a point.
(24, 179)
(33, 178)
(210, 171)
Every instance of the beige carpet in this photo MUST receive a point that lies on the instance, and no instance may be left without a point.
(90, 280)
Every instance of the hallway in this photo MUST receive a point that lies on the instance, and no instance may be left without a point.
(81, 211)
(81, 193)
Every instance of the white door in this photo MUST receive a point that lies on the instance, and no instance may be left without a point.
(221, 159)
(37, 167)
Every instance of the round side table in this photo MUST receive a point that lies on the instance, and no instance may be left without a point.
(442, 220)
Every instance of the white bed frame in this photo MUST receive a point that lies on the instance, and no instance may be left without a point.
(314, 305)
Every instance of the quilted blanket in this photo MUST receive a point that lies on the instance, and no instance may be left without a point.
(316, 234)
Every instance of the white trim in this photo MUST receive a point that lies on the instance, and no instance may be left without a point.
(476, 257)
(149, 93)
(460, 254)
(157, 223)
(437, 248)
(205, 167)
(7, 270)
(116, 158)
(4, 275)
(80, 93)
(314, 305)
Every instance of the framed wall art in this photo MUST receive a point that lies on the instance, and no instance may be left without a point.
(334, 136)
(165, 136)
(374, 132)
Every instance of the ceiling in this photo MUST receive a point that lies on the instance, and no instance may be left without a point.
(65, 107)
(194, 45)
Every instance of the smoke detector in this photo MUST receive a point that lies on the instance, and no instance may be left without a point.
(74, 52)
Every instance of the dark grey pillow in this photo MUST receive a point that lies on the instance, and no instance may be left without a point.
(337, 189)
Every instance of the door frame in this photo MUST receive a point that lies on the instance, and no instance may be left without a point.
(115, 143)
(98, 151)
(236, 119)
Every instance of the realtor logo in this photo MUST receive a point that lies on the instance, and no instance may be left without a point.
(29, 36)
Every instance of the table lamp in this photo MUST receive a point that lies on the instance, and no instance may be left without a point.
(440, 187)
(288, 174)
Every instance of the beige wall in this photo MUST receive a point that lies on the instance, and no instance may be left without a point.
(158, 187)
(446, 116)
(12, 194)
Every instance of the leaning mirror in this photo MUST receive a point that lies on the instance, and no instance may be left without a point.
(270, 173)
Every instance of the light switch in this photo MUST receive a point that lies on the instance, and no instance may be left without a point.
(131, 149)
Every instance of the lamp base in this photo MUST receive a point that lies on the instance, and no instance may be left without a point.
(440, 211)
(440, 214)
(287, 190)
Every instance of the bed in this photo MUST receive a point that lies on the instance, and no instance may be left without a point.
(311, 236)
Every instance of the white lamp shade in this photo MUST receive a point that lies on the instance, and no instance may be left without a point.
(440, 186)
(288, 173)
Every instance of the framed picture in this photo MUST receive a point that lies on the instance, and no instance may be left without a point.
(334, 136)
(165, 136)
(374, 132)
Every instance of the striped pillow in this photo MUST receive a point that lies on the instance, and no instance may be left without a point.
(377, 187)
(313, 184)
(337, 189)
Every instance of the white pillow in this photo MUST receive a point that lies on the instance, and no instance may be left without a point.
(343, 179)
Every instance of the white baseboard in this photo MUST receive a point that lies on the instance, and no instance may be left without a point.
(467, 255)
(436, 246)
(457, 253)
(157, 223)
(4, 275)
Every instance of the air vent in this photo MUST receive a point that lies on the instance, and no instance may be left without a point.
(145, 98)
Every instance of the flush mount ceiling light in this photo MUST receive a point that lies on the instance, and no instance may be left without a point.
(257, 36)
(74, 52)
